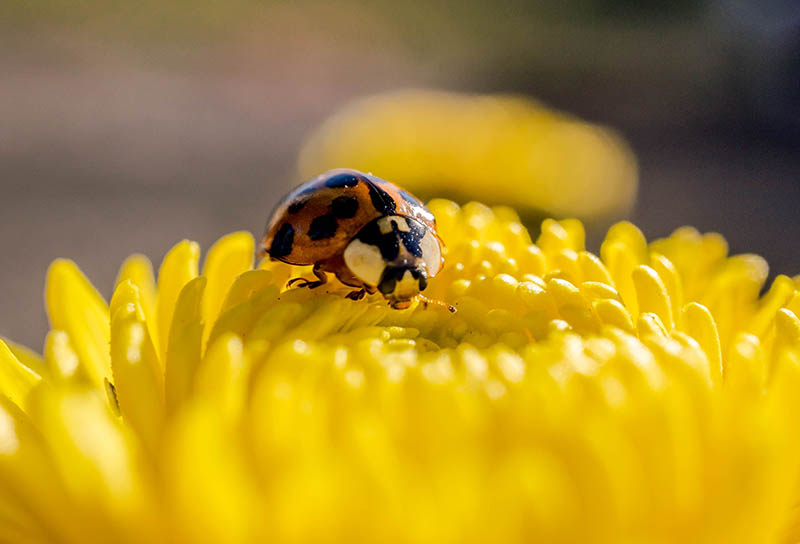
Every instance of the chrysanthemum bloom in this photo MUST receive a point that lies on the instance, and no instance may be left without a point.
(645, 395)
(498, 149)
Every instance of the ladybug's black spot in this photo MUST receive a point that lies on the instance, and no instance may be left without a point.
(344, 207)
(322, 227)
(412, 238)
(282, 243)
(296, 206)
(387, 243)
(389, 280)
(383, 202)
(340, 181)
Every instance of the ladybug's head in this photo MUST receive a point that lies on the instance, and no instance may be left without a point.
(402, 282)
(396, 254)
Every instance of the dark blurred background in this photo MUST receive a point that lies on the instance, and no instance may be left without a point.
(126, 126)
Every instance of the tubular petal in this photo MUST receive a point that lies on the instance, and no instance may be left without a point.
(178, 268)
(646, 396)
(26, 356)
(16, 379)
(612, 312)
(230, 257)
(76, 308)
(700, 325)
(652, 296)
(138, 380)
(222, 376)
(62, 361)
(185, 344)
(669, 276)
(139, 271)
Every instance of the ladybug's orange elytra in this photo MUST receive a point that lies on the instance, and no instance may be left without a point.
(369, 233)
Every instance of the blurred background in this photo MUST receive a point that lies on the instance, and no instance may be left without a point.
(127, 126)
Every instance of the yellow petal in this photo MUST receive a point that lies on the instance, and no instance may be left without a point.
(62, 361)
(787, 337)
(593, 268)
(787, 327)
(230, 257)
(745, 370)
(185, 343)
(139, 271)
(208, 483)
(631, 237)
(779, 294)
(594, 290)
(621, 261)
(672, 282)
(27, 356)
(572, 306)
(222, 376)
(16, 379)
(245, 285)
(76, 308)
(612, 312)
(650, 324)
(95, 461)
(178, 268)
(652, 296)
(28, 481)
(138, 381)
(554, 237)
(700, 325)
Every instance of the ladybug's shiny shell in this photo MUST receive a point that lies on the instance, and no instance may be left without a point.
(359, 227)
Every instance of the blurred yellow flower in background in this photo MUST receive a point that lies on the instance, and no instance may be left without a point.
(647, 394)
(496, 149)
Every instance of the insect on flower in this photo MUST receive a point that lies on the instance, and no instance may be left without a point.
(369, 233)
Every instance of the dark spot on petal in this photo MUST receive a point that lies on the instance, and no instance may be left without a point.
(296, 206)
(322, 227)
(282, 243)
(344, 207)
(382, 200)
(340, 181)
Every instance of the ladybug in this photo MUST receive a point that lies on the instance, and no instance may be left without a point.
(369, 233)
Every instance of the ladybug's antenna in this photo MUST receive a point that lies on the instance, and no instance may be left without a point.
(425, 301)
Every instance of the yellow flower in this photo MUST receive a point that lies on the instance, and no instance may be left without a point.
(498, 149)
(645, 395)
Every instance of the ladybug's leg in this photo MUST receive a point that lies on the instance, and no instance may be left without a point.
(302, 282)
(400, 304)
(356, 295)
(319, 273)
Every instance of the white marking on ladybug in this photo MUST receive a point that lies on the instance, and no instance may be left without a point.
(385, 224)
(364, 261)
(431, 253)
